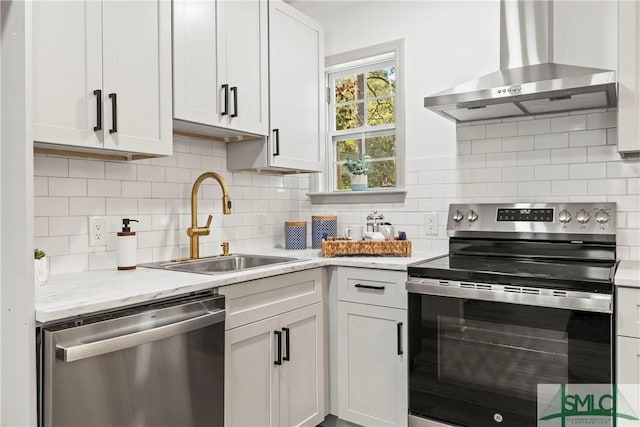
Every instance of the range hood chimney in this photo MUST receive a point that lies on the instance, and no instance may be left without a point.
(528, 82)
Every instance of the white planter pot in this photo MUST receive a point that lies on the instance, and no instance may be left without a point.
(40, 271)
(358, 182)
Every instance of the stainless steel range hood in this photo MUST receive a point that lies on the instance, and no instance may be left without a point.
(528, 83)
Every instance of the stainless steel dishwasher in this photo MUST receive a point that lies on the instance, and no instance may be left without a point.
(157, 365)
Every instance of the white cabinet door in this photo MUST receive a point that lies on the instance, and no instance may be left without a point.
(628, 77)
(137, 76)
(247, 59)
(628, 366)
(302, 372)
(252, 380)
(67, 69)
(197, 70)
(372, 364)
(296, 64)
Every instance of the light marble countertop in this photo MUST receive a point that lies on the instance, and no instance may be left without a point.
(628, 274)
(75, 294)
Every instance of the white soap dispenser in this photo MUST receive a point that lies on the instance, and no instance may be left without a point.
(127, 246)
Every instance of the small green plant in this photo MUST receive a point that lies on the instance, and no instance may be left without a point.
(357, 165)
(38, 254)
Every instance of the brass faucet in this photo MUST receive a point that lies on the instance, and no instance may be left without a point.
(194, 232)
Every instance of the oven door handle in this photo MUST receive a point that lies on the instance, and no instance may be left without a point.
(122, 342)
(568, 300)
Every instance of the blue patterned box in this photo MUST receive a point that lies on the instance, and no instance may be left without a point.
(323, 224)
(295, 235)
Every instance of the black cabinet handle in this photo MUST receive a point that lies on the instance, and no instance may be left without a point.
(278, 360)
(400, 338)
(276, 134)
(226, 100)
(98, 94)
(377, 288)
(287, 350)
(114, 113)
(234, 90)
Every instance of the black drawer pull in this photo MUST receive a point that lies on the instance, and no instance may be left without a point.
(377, 288)
(278, 360)
(276, 134)
(400, 339)
(98, 94)
(234, 90)
(287, 350)
(225, 87)
(114, 113)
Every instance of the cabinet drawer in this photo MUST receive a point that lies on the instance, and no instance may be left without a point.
(628, 309)
(368, 286)
(255, 300)
(628, 355)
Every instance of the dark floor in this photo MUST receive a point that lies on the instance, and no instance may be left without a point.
(333, 421)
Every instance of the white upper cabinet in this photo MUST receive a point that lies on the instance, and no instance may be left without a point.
(296, 98)
(220, 62)
(102, 75)
(628, 78)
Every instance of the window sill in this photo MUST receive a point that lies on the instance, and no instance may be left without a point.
(354, 197)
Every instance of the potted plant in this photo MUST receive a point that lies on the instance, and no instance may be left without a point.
(40, 267)
(359, 167)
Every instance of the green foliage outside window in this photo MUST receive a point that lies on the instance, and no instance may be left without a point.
(363, 102)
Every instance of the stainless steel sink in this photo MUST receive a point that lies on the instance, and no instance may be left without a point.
(221, 264)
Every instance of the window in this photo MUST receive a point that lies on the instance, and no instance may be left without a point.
(365, 116)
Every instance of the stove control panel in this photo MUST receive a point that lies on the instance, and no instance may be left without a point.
(539, 218)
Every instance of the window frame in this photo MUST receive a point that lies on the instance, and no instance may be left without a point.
(347, 63)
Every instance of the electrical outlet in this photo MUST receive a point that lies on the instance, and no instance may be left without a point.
(97, 231)
(261, 226)
(431, 223)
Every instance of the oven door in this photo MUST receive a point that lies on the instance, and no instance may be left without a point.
(476, 357)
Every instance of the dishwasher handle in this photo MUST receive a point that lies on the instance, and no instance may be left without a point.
(97, 348)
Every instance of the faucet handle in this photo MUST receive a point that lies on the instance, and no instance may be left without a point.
(209, 221)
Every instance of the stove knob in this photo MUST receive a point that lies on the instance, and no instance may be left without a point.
(602, 217)
(564, 216)
(458, 216)
(472, 216)
(583, 217)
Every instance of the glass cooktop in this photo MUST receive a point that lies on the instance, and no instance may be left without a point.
(588, 276)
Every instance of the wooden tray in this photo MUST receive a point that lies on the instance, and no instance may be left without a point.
(340, 246)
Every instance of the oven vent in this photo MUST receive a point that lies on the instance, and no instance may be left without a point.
(483, 287)
(468, 285)
(443, 283)
(560, 294)
(519, 290)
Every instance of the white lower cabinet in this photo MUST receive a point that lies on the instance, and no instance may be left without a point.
(628, 336)
(372, 365)
(372, 347)
(274, 366)
(628, 360)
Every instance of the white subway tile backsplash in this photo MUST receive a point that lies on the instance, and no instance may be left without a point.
(57, 245)
(568, 123)
(588, 171)
(534, 127)
(472, 190)
(40, 186)
(487, 175)
(535, 188)
(622, 169)
(502, 189)
(151, 173)
(552, 140)
(518, 173)
(136, 189)
(497, 160)
(569, 187)
(121, 206)
(41, 226)
(463, 147)
(51, 206)
(67, 187)
(538, 157)
(499, 130)
(104, 188)
(602, 153)
(68, 226)
(86, 206)
(155, 206)
(456, 176)
(121, 171)
(470, 132)
(86, 169)
(50, 166)
(607, 186)
(486, 146)
(164, 190)
(587, 138)
(69, 263)
(607, 119)
(569, 155)
(551, 172)
(518, 143)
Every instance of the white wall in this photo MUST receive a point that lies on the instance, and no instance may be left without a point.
(554, 158)
(156, 192)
